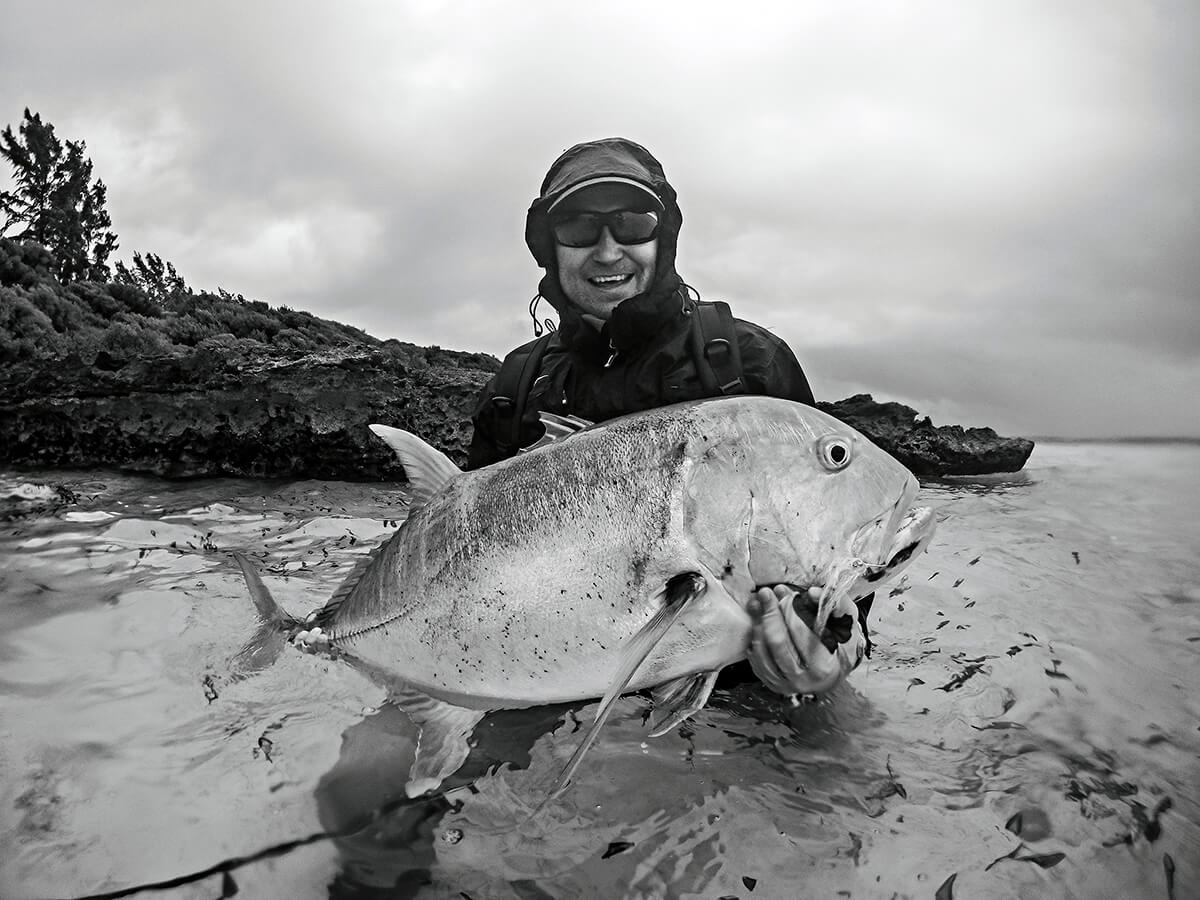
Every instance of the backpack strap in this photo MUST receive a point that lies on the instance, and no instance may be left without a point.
(513, 382)
(715, 349)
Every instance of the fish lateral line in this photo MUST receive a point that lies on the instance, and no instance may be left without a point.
(356, 633)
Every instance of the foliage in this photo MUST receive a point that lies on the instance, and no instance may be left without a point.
(157, 279)
(149, 312)
(56, 200)
(56, 299)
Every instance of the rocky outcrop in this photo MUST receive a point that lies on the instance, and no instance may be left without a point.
(929, 450)
(222, 411)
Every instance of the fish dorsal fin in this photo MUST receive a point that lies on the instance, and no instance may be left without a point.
(428, 469)
(677, 593)
(557, 429)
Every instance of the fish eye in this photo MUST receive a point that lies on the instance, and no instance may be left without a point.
(834, 452)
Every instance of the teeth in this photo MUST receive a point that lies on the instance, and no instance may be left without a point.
(605, 279)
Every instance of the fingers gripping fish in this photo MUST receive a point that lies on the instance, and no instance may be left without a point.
(622, 558)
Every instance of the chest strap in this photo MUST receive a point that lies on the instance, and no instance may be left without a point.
(513, 382)
(715, 349)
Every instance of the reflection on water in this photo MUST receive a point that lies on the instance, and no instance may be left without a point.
(1026, 727)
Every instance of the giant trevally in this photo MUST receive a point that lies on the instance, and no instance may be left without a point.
(620, 557)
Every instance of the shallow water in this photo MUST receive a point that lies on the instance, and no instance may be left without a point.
(1027, 726)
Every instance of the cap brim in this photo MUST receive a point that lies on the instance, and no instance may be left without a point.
(607, 179)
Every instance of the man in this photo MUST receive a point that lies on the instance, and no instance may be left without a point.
(631, 337)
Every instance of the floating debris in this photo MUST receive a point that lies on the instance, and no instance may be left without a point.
(616, 847)
(1029, 824)
(1044, 860)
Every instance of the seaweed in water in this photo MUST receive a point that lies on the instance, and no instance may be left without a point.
(616, 847)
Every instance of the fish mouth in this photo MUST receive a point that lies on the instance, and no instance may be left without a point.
(911, 537)
(852, 579)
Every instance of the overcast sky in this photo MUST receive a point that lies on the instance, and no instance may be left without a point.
(987, 210)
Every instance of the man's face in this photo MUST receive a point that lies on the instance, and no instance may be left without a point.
(597, 278)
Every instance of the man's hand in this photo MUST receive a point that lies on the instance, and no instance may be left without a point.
(785, 653)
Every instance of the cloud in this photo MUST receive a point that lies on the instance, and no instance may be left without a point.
(986, 208)
(1090, 389)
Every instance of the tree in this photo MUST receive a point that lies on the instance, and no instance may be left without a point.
(154, 275)
(56, 200)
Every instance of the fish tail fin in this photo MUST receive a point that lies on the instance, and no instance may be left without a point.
(275, 627)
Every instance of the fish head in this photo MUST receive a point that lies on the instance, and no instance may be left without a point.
(822, 506)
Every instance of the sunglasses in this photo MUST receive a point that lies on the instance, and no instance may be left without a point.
(583, 229)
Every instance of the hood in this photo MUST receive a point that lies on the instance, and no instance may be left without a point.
(639, 316)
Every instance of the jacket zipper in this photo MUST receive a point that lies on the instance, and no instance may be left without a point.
(612, 356)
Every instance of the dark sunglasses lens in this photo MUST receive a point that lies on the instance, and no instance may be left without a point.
(584, 229)
(578, 231)
(633, 227)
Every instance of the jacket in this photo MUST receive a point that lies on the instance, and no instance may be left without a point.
(643, 357)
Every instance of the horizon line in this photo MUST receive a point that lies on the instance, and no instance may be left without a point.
(1112, 439)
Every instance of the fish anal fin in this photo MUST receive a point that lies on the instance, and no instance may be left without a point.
(676, 595)
(427, 468)
(678, 700)
(444, 743)
(557, 428)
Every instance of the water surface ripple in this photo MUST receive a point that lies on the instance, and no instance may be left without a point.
(1027, 727)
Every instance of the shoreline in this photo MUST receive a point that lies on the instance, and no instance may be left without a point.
(218, 411)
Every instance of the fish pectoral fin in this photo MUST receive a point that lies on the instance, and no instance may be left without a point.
(443, 744)
(427, 468)
(557, 428)
(676, 594)
(678, 700)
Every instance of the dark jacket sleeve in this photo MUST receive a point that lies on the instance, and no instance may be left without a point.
(492, 422)
(485, 449)
(770, 367)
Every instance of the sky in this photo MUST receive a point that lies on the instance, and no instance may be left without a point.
(989, 211)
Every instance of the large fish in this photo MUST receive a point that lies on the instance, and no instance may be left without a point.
(619, 557)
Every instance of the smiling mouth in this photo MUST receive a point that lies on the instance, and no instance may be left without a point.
(609, 280)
